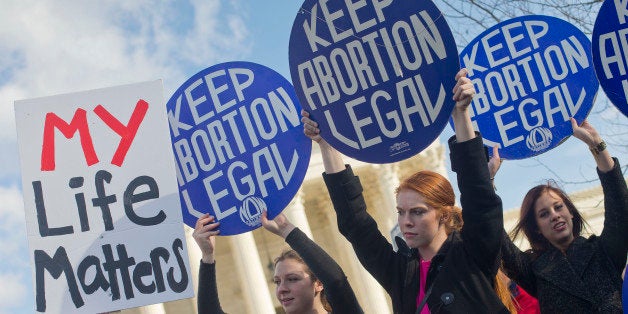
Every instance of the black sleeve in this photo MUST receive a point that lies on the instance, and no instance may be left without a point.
(207, 301)
(518, 265)
(374, 251)
(614, 237)
(337, 288)
(482, 210)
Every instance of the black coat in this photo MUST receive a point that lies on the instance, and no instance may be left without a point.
(462, 272)
(587, 278)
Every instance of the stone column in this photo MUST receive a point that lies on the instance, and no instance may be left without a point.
(251, 274)
(153, 309)
(371, 295)
(434, 158)
(387, 182)
(296, 214)
(194, 253)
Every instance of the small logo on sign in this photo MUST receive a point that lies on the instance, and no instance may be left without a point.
(539, 139)
(251, 211)
(398, 147)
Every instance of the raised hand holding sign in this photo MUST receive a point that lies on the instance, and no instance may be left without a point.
(532, 74)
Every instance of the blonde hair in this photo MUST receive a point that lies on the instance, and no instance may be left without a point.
(503, 292)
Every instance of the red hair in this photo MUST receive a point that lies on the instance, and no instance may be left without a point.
(438, 194)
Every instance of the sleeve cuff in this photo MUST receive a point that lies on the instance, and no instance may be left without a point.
(611, 175)
(294, 236)
(461, 152)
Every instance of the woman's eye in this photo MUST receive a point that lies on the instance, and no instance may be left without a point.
(543, 214)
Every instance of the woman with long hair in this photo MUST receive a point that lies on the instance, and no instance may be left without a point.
(565, 271)
(301, 275)
(446, 270)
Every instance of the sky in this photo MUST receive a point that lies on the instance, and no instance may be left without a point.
(55, 47)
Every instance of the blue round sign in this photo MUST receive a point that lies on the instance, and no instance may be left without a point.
(531, 74)
(238, 143)
(610, 49)
(376, 75)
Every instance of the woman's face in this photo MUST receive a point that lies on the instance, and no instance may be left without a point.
(554, 220)
(418, 223)
(295, 289)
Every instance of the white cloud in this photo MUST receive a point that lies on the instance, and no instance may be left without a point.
(52, 47)
(13, 291)
(12, 227)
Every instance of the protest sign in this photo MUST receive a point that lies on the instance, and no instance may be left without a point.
(376, 75)
(531, 74)
(610, 52)
(102, 210)
(239, 144)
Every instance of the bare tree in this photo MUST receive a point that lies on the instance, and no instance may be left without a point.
(468, 18)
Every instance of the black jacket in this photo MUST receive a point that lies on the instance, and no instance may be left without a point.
(463, 271)
(587, 278)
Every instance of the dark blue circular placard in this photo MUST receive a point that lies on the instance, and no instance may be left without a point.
(377, 77)
(531, 74)
(238, 143)
(610, 51)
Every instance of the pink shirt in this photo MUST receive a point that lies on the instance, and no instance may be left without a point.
(423, 268)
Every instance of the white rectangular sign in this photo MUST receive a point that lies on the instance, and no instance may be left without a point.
(101, 199)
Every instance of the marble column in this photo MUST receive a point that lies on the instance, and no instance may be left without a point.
(153, 309)
(387, 182)
(296, 214)
(194, 253)
(371, 295)
(254, 284)
(434, 158)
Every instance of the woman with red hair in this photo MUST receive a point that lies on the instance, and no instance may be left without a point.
(449, 267)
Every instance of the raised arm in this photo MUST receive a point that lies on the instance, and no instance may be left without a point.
(204, 234)
(354, 223)
(589, 136)
(614, 236)
(463, 94)
(332, 160)
(339, 292)
(517, 264)
(481, 207)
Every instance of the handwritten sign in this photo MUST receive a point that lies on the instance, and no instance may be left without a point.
(610, 52)
(102, 208)
(531, 74)
(239, 144)
(376, 75)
